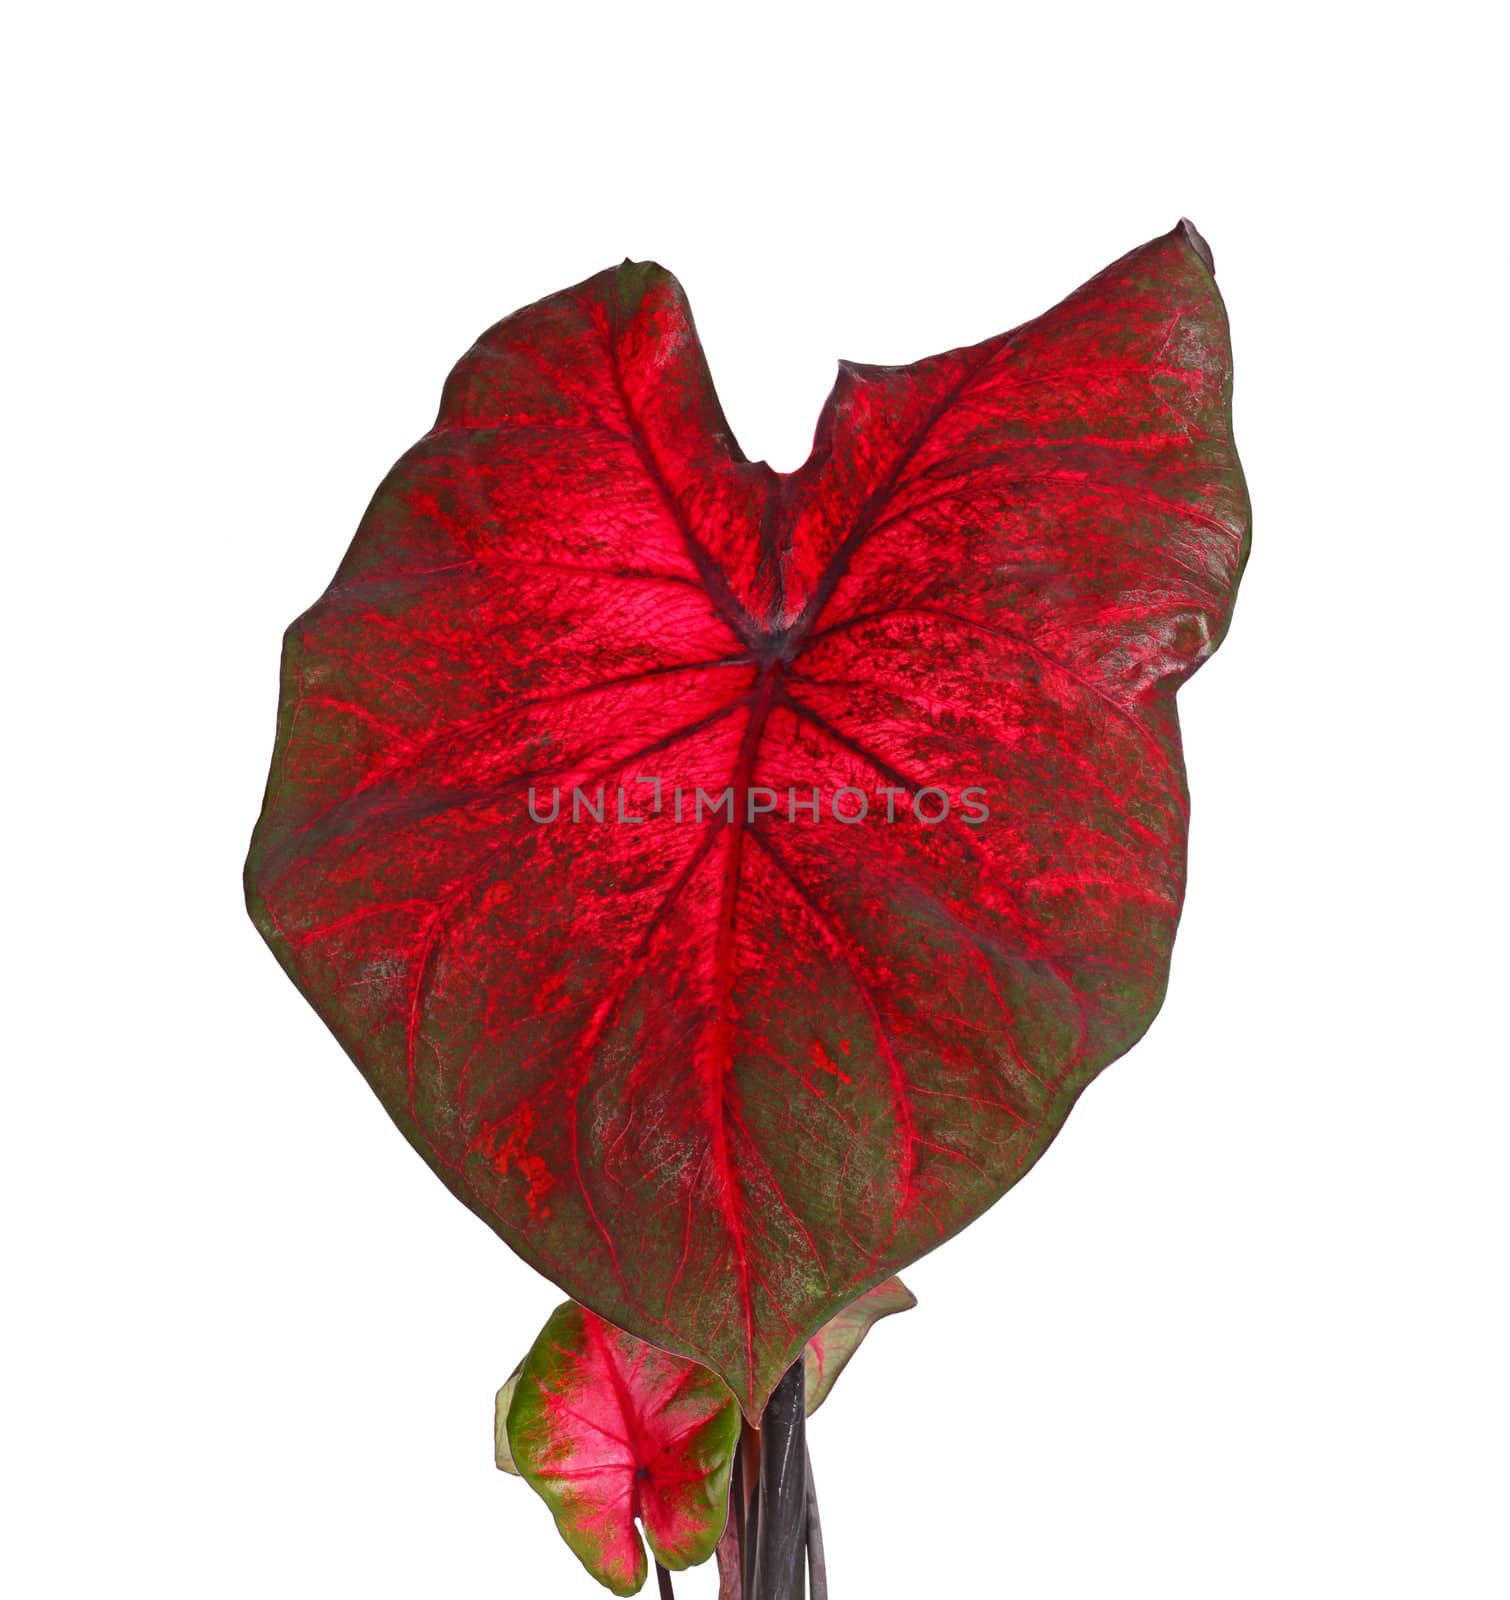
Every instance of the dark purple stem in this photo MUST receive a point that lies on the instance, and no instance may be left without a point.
(777, 1536)
(817, 1567)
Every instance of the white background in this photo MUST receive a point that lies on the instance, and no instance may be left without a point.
(1242, 1332)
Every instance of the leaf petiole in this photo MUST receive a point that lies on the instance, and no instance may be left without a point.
(817, 1567)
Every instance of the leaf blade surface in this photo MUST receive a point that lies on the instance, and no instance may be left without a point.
(720, 1077)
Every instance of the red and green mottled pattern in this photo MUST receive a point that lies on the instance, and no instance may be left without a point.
(608, 1431)
(717, 1078)
(829, 1350)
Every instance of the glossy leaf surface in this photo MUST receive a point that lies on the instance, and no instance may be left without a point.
(829, 1350)
(718, 1076)
(608, 1431)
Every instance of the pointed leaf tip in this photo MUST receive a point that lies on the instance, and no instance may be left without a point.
(1197, 243)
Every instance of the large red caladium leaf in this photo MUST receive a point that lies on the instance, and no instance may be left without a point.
(719, 1071)
(609, 1431)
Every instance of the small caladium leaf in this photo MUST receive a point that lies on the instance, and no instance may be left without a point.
(503, 1456)
(829, 1350)
(827, 1354)
(610, 1431)
(719, 1065)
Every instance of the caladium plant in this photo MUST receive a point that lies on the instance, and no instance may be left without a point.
(728, 880)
